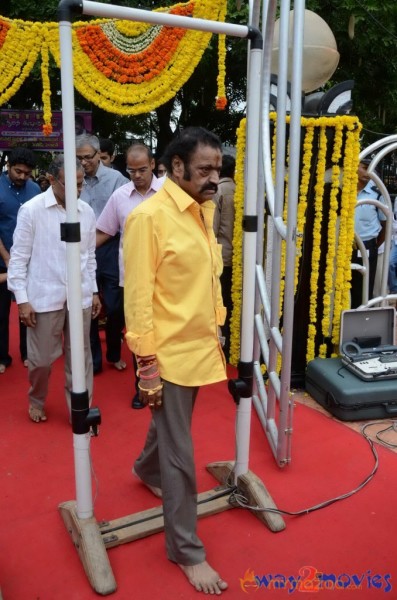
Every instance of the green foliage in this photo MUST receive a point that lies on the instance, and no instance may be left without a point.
(369, 58)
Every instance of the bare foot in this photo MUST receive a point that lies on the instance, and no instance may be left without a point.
(2, 369)
(120, 365)
(37, 414)
(155, 490)
(204, 579)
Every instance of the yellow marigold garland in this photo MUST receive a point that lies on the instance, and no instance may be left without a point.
(316, 252)
(45, 59)
(221, 100)
(237, 278)
(122, 67)
(18, 54)
(349, 128)
(332, 237)
(346, 229)
(303, 192)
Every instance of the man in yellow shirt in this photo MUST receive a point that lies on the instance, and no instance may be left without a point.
(173, 311)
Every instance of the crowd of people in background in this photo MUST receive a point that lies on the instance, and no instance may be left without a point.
(113, 188)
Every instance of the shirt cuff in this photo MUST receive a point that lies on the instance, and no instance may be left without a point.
(220, 315)
(141, 345)
(21, 296)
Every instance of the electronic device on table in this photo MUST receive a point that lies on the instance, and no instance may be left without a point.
(367, 343)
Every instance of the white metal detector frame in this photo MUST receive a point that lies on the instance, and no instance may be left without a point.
(90, 538)
(273, 403)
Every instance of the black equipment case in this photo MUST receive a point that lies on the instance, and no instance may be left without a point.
(334, 382)
(348, 397)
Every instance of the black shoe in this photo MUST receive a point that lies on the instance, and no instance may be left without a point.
(97, 370)
(136, 403)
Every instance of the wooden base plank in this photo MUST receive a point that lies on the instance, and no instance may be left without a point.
(88, 542)
(147, 522)
(253, 490)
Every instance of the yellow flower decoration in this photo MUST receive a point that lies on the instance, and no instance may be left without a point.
(324, 316)
(122, 67)
(237, 277)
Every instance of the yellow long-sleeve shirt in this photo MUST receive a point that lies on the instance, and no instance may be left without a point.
(172, 296)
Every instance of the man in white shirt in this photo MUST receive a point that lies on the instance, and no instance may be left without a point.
(37, 275)
(143, 184)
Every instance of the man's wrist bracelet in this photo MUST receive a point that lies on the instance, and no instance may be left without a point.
(153, 391)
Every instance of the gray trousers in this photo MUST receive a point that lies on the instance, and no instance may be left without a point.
(167, 461)
(44, 344)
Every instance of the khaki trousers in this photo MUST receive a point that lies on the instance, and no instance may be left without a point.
(44, 343)
(167, 461)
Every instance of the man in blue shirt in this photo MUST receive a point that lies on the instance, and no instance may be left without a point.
(369, 224)
(16, 188)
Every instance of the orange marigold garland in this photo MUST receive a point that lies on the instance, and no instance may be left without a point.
(4, 27)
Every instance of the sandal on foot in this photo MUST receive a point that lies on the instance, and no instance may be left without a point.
(37, 414)
(2, 369)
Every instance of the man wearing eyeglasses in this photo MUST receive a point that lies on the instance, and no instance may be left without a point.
(37, 275)
(99, 184)
(143, 184)
(16, 188)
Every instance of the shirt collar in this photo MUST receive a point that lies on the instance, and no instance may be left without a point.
(50, 200)
(183, 200)
(12, 184)
(155, 185)
(101, 170)
(180, 197)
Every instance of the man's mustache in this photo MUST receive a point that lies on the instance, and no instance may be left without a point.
(209, 186)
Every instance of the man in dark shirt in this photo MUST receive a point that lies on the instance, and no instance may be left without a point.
(16, 187)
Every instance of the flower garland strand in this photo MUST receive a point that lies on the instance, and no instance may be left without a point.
(346, 230)
(46, 95)
(331, 237)
(221, 101)
(316, 251)
(237, 271)
(303, 193)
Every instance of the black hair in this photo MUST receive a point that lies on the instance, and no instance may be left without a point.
(185, 144)
(228, 166)
(106, 145)
(22, 156)
(58, 164)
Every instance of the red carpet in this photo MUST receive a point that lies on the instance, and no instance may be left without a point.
(352, 540)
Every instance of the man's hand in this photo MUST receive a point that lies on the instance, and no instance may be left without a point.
(96, 306)
(27, 314)
(150, 384)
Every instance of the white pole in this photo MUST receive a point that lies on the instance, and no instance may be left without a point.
(284, 441)
(81, 442)
(162, 18)
(243, 423)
